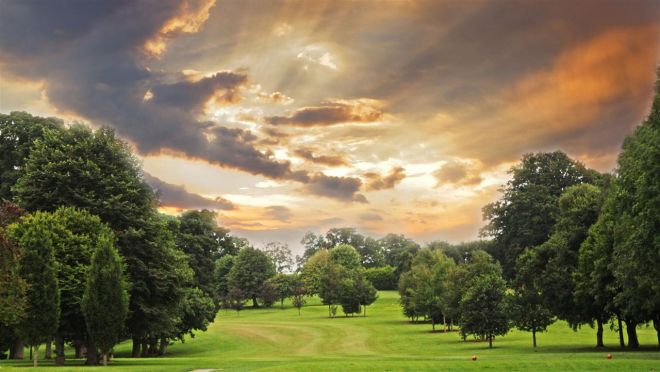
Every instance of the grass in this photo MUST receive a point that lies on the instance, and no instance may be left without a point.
(280, 340)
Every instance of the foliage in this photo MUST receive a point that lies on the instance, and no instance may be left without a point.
(346, 256)
(251, 269)
(222, 269)
(528, 211)
(268, 294)
(200, 237)
(105, 301)
(284, 286)
(92, 170)
(383, 278)
(12, 285)
(311, 272)
(636, 255)
(37, 266)
(18, 132)
(484, 309)
(197, 311)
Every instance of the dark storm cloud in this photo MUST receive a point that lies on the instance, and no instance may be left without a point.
(330, 113)
(192, 95)
(330, 160)
(377, 182)
(177, 196)
(91, 55)
(341, 188)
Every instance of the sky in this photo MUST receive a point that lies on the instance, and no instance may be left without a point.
(294, 116)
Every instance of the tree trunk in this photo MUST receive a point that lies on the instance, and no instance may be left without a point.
(631, 328)
(79, 349)
(622, 343)
(153, 346)
(92, 355)
(433, 324)
(17, 350)
(35, 356)
(136, 347)
(254, 302)
(163, 346)
(599, 334)
(490, 342)
(145, 348)
(59, 346)
(48, 354)
(534, 338)
(105, 359)
(444, 321)
(282, 303)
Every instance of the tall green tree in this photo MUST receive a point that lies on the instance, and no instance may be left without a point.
(557, 259)
(527, 213)
(12, 285)
(251, 269)
(18, 132)
(484, 311)
(92, 170)
(200, 237)
(637, 225)
(529, 312)
(280, 254)
(37, 266)
(346, 255)
(105, 301)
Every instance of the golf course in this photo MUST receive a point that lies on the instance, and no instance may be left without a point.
(281, 340)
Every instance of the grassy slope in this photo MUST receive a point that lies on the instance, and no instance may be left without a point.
(274, 339)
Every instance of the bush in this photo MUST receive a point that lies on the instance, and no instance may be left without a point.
(383, 278)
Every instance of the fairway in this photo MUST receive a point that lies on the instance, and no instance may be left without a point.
(280, 340)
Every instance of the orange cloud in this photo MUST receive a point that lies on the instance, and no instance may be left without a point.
(190, 17)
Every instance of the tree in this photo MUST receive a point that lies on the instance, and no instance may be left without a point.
(37, 267)
(483, 308)
(366, 293)
(398, 251)
(383, 278)
(636, 255)
(330, 282)
(579, 207)
(529, 312)
(222, 269)
(159, 272)
(298, 297)
(348, 296)
(18, 132)
(312, 270)
(105, 301)
(267, 294)
(12, 286)
(197, 311)
(284, 285)
(91, 170)
(200, 237)
(251, 269)
(346, 256)
(280, 254)
(526, 215)
(236, 299)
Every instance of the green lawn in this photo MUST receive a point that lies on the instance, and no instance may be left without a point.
(280, 340)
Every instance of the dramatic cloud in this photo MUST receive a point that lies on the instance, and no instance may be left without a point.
(329, 160)
(177, 196)
(332, 113)
(457, 172)
(342, 188)
(377, 182)
(232, 98)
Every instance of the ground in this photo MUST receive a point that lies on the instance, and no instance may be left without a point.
(281, 340)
